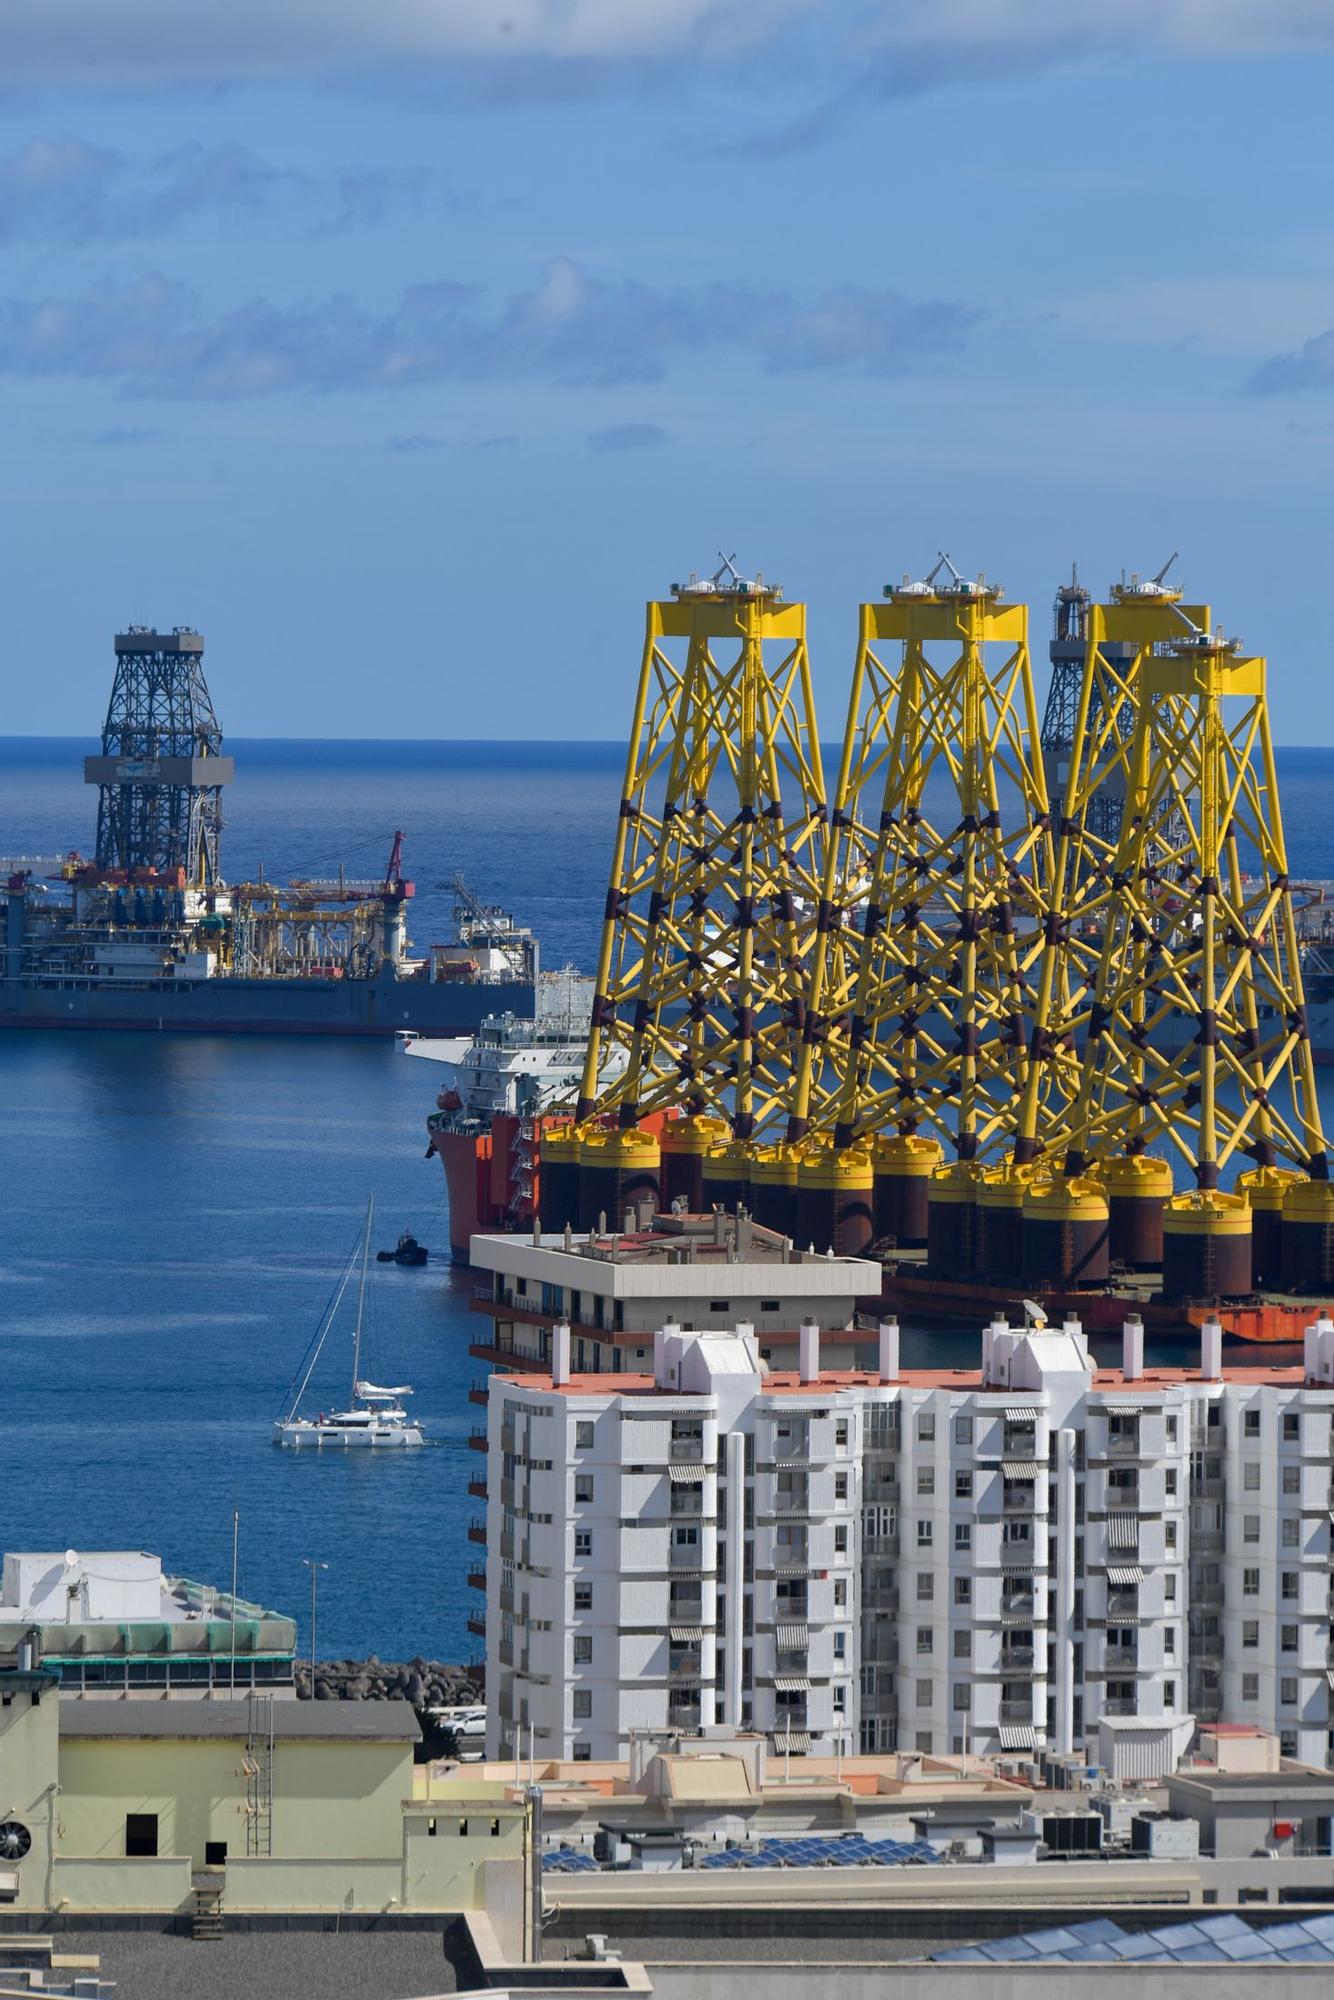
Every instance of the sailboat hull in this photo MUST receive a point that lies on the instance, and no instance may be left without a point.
(311, 1435)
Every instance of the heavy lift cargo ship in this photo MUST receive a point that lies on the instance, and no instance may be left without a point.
(883, 1022)
(148, 935)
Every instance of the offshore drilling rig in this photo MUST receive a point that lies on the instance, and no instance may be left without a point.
(1019, 1004)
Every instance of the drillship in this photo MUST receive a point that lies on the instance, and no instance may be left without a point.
(149, 935)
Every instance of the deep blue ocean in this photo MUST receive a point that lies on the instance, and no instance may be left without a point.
(176, 1208)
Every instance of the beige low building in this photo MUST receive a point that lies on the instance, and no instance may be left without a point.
(114, 1806)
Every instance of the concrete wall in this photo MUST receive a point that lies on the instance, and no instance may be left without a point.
(27, 1785)
(984, 1982)
(330, 1799)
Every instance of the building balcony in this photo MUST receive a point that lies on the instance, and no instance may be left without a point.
(479, 1392)
(505, 1650)
(885, 1544)
(506, 1546)
(477, 1531)
(880, 1649)
(1206, 1541)
(477, 1624)
(477, 1489)
(686, 1451)
(1016, 1710)
(1124, 1499)
(1019, 1498)
(880, 1492)
(1021, 1443)
(1016, 1659)
(1123, 1604)
(785, 1719)
(683, 1715)
(1121, 1656)
(879, 1597)
(1208, 1489)
(1206, 1594)
(685, 1667)
(685, 1556)
(1119, 1704)
(477, 1579)
(477, 1442)
(1124, 1446)
(1019, 1606)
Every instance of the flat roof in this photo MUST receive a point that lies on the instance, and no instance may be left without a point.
(786, 1381)
(293, 1721)
(1257, 1784)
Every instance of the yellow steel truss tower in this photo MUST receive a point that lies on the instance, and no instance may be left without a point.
(1184, 984)
(717, 864)
(1121, 637)
(918, 1018)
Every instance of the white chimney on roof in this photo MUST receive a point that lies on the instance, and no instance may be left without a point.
(808, 1351)
(889, 1350)
(1132, 1347)
(560, 1354)
(1211, 1351)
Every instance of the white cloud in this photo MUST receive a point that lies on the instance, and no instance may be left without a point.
(890, 47)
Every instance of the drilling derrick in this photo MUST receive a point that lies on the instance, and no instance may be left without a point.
(711, 909)
(918, 1021)
(161, 770)
(1182, 967)
(1063, 718)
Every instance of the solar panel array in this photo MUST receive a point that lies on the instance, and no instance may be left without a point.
(1221, 1940)
(846, 1850)
(568, 1861)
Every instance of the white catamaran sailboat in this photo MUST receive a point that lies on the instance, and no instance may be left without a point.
(375, 1418)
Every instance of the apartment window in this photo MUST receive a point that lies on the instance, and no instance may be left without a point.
(924, 1694)
(1288, 1638)
(583, 1488)
(840, 1645)
(926, 1427)
(963, 1485)
(583, 1650)
(1250, 1527)
(583, 1704)
(840, 1700)
(1251, 1423)
(1250, 1687)
(141, 1833)
(1291, 1533)
(868, 1682)
(841, 1432)
(1169, 1589)
(1170, 1642)
(583, 1753)
(1290, 1428)
(1250, 1583)
(840, 1486)
(963, 1590)
(924, 1534)
(963, 1535)
(1287, 1743)
(583, 1437)
(1290, 1585)
(923, 1739)
(771, 1305)
(926, 1479)
(926, 1588)
(1250, 1476)
(1169, 1534)
(1250, 1631)
(1171, 1479)
(962, 1698)
(963, 1645)
(1171, 1430)
(583, 1542)
(1287, 1690)
(1292, 1479)
(1169, 1694)
(583, 1597)
(841, 1540)
(963, 1430)
(926, 1639)
(840, 1591)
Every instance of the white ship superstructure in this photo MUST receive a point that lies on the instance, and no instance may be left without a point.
(513, 1066)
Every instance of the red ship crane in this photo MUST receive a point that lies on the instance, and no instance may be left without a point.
(395, 886)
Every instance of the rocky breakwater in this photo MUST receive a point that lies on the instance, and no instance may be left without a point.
(425, 1683)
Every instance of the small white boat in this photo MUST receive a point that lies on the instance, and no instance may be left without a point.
(375, 1420)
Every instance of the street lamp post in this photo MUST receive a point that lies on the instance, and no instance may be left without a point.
(309, 1562)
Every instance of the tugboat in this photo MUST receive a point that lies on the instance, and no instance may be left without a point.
(375, 1418)
(407, 1250)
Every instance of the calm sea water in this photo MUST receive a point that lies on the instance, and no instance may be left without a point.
(176, 1207)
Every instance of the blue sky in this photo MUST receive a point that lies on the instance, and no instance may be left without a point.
(405, 349)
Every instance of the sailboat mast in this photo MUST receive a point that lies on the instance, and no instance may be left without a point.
(361, 1297)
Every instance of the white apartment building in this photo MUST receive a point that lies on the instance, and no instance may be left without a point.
(1042, 1552)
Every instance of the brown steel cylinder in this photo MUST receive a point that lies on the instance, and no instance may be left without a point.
(1307, 1249)
(1137, 1185)
(1065, 1233)
(903, 1168)
(1206, 1246)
